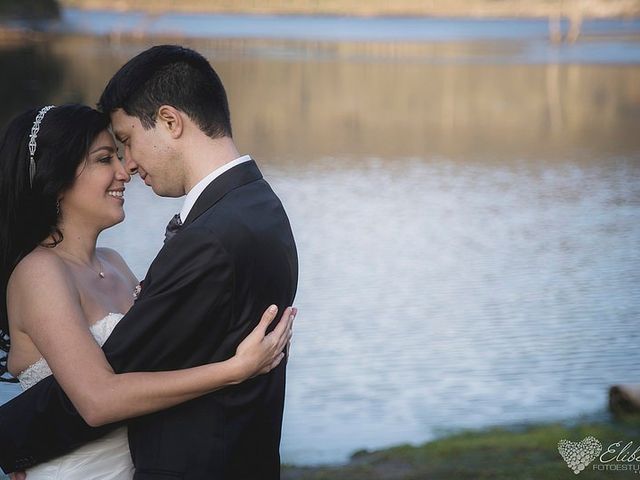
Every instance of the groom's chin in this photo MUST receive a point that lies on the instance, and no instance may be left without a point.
(163, 191)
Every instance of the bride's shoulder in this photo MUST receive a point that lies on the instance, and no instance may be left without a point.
(110, 254)
(39, 265)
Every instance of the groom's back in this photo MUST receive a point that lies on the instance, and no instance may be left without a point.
(233, 433)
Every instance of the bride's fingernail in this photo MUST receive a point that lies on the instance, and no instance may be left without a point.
(273, 309)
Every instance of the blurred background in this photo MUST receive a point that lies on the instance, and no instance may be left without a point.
(463, 181)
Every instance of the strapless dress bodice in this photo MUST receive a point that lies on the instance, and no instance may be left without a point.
(40, 369)
(107, 458)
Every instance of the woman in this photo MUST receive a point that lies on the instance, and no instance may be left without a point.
(61, 184)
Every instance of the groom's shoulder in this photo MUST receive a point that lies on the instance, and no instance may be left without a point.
(200, 236)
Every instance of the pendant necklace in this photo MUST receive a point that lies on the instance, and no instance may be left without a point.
(100, 272)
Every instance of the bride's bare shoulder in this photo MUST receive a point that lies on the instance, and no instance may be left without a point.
(41, 264)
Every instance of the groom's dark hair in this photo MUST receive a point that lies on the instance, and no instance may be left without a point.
(170, 75)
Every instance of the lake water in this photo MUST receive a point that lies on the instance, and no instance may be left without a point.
(467, 215)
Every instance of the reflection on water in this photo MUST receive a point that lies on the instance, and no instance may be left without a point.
(313, 107)
(438, 294)
(29, 77)
(468, 233)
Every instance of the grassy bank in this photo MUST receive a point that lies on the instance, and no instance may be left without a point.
(497, 454)
(516, 453)
(465, 8)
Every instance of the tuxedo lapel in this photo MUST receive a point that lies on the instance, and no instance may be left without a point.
(239, 175)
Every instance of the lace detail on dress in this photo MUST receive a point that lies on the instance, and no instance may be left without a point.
(103, 328)
(40, 369)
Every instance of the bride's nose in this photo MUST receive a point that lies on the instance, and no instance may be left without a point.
(122, 173)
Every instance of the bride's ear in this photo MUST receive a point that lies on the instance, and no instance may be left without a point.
(171, 119)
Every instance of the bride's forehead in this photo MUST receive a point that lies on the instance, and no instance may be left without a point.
(103, 139)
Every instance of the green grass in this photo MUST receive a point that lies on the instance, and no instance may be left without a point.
(517, 453)
(513, 453)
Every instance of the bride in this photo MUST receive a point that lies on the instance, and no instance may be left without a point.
(64, 296)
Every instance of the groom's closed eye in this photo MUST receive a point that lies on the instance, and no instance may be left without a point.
(120, 138)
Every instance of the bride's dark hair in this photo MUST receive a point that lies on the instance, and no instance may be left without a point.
(28, 213)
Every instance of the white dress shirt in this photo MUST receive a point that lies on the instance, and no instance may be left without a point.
(199, 187)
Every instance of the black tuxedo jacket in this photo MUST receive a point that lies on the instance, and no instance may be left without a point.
(203, 293)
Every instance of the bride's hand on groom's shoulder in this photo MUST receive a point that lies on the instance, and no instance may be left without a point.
(261, 352)
(18, 476)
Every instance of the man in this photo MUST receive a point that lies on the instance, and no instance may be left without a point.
(221, 265)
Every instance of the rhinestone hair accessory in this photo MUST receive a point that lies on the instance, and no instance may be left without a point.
(32, 141)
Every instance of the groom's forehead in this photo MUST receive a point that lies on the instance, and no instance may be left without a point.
(121, 123)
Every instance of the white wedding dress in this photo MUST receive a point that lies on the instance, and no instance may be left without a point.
(107, 458)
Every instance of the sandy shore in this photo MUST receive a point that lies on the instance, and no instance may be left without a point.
(450, 8)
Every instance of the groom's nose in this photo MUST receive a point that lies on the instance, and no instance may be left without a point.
(129, 164)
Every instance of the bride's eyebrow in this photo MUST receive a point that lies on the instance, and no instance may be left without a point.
(104, 147)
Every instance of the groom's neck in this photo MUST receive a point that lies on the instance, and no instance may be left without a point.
(204, 155)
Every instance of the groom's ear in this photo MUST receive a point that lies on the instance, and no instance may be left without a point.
(171, 119)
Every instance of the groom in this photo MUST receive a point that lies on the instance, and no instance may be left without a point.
(232, 253)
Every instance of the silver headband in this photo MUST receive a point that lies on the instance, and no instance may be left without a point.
(32, 141)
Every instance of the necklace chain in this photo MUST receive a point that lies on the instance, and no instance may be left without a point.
(100, 272)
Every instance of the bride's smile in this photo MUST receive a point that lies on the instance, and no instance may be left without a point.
(96, 197)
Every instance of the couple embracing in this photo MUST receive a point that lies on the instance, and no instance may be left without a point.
(181, 375)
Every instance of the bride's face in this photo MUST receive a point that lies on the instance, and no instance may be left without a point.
(96, 198)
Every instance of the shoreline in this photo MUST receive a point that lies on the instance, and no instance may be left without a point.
(516, 452)
(260, 21)
(377, 8)
(403, 45)
(512, 452)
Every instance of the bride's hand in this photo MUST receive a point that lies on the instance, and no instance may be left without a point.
(261, 352)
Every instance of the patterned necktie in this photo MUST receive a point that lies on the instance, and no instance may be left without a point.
(173, 227)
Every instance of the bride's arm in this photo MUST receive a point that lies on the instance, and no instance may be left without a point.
(50, 314)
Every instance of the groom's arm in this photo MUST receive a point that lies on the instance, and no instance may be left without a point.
(189, 279)
(30, 435)
(186, 300)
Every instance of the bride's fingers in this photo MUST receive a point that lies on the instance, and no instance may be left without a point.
(284, 322)
(284, 333)
(285, 340)
(266, 319)
(276, 362)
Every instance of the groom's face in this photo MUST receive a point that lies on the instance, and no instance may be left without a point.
(149, 153)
